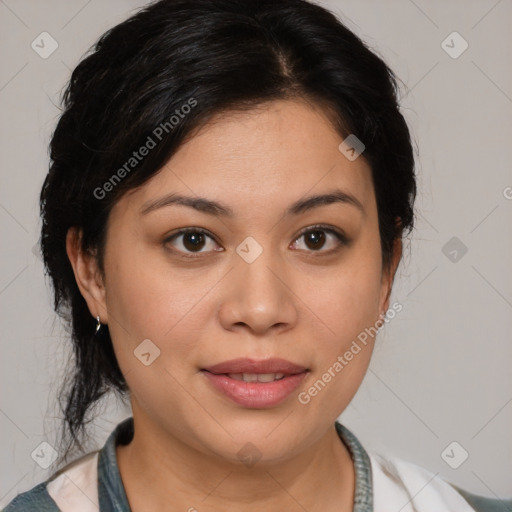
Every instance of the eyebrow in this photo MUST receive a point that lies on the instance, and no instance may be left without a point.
(211, 207)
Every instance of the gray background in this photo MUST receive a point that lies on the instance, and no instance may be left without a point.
(441, 369)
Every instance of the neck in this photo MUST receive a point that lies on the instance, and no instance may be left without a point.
(160, 471)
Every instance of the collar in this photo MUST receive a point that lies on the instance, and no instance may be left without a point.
(112, 496)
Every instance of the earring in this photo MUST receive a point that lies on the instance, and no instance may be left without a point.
(98, 325)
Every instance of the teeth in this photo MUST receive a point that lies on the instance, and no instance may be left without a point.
(256, 377)
(266, 377)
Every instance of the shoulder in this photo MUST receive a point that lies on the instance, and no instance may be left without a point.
(414, 488)
(483, 504)
(74, 487)
(36, 499)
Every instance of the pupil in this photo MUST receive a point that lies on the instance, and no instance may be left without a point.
(317, 238)
(193, 240)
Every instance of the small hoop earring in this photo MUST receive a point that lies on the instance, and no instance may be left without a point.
(98, 325)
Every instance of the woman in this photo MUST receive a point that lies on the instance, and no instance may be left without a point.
(223, 217)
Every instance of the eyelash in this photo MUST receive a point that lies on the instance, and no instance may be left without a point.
(341, 238)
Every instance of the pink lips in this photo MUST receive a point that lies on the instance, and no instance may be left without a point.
(246, 365)
(255, 394)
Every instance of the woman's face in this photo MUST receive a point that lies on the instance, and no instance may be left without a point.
(249, 285)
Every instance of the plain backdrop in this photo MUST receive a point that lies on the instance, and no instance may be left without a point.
(441, 371)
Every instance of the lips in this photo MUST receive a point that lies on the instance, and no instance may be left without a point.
(255, 384)
(256, 377)
(266, 366)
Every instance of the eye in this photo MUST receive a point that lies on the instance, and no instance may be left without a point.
(196, 240)
(192, 240)
(315, 239)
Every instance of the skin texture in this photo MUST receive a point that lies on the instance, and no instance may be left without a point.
(299, 301)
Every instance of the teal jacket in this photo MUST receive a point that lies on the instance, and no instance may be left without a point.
(112, 497)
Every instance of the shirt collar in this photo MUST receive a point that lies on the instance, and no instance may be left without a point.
(111, 493)
(363, 496)
(112, 496)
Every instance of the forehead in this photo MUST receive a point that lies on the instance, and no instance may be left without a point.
(270, 155)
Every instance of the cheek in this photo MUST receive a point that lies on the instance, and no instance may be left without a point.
(148, 302)
(344, 341)
(346, 301)
(345, 311)
(145, 302)
(145, 294)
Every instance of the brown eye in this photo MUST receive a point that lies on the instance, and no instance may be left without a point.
(317, 237)
(192, 240)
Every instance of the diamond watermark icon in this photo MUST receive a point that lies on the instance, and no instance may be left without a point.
(454, 45)
(249, 249)
(36, 251)
(454, 249)
(249, 454)
(351, 147)
(146, 352)
(44, 455)
(44, 45)
(454, 455)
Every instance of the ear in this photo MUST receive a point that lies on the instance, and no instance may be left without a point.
(87, 274)
(388, 276)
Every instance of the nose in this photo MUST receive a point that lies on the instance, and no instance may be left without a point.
(259, 297)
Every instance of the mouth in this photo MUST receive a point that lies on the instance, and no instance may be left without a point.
(255, 384)
(256, 377)
(247, 366)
